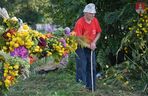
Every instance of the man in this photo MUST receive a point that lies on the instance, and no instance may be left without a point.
(87, 27)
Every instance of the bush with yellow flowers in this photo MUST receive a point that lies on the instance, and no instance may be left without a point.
(136, 41)
(135, 47)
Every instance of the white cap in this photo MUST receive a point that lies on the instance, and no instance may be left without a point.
(90, 8)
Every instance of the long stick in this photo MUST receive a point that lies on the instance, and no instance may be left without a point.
(92, 71)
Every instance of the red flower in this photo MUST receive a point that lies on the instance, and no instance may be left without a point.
(42, 42)
(11, 31)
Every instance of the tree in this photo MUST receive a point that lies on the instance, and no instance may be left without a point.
(65, 12)
(30, 11)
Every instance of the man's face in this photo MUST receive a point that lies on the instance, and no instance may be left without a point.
(89, 16)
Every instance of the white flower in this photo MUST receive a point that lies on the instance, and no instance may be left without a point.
(14, 19)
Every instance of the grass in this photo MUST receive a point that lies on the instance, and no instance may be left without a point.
(62, 83)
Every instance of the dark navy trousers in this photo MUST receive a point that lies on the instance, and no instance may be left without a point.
(83, 67)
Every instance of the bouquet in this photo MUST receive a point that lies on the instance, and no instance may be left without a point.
(21, 44)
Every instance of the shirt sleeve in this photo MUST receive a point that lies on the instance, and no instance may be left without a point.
(78, 28)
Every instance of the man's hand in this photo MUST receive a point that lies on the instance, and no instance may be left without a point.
(87, 45)
(93, 46)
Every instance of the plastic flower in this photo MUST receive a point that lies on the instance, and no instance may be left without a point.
(67, 31)
(9, 33)
(20, 52)
(63, 41)
(14, 19)
(42, 42)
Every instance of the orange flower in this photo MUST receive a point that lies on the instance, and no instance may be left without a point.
(48, 35)
(32, 59)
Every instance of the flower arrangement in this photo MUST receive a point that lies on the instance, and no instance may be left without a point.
(60, 46)
(26, 42)
(10, 68)
(21, 43)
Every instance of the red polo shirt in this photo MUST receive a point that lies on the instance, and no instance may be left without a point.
(88, 31)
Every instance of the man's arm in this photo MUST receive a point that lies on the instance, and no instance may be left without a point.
(97, 37)
(93, 44)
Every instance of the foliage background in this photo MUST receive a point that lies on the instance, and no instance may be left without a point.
(114, 16)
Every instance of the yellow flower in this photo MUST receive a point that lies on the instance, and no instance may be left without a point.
(15, 73)
(43, 36)
(21, 42)
(6, 65)
(138, 35)
(10, 67)
(14, 19)
(140, 25)
(16, 45)
(16, 66)
(25, 27)
(8, 34)
(40, 50)
(37, 47)
(10, 48)
(28, 46)
(26, 33)
(7, 43)
(12, 72)
(7, 82)
(49, 54)
(137, 31)
(8, 77)
(5, 74)
(60, 54)
(18, 39)
(126, 83)
(12, 43)
(36, 50)
(1, 83)
(4, 48)
(4, 20)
